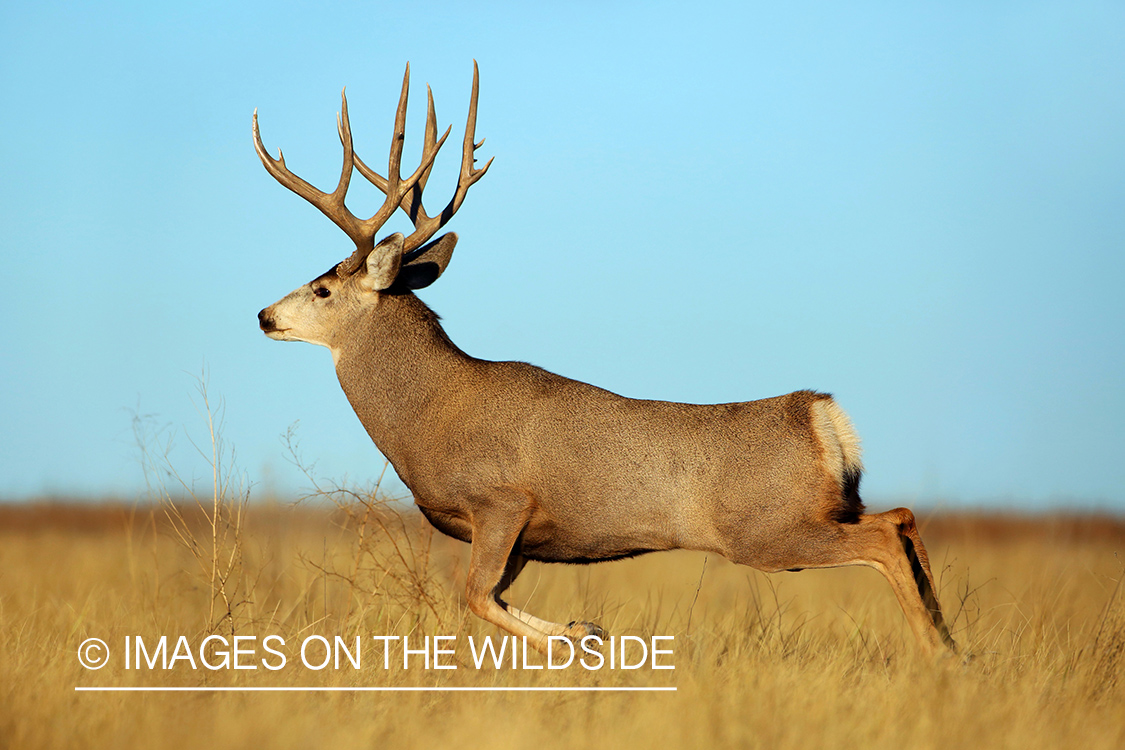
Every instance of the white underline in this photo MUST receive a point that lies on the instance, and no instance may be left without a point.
(372, 689)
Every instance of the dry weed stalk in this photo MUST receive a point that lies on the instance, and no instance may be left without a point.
(391, 552)
(221, 512)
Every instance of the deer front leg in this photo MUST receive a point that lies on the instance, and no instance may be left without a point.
(493, 565)
(576, 631)
(496, 527)
(516, 563)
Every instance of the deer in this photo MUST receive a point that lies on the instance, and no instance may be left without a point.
(526, 465)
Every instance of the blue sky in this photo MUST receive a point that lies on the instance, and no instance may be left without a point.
(917, 207)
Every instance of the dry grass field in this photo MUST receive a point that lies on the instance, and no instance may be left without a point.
(813, 659)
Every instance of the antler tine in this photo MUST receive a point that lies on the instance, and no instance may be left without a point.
(361, 231)
(468, 158)
(330, 204)
(394, 183)
(397, 190)
(429, 144)
(412, 200)
(426, 226)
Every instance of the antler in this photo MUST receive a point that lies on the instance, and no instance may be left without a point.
(426, 226)
(361, 231)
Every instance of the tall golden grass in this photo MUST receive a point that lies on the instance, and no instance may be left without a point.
(811, 659)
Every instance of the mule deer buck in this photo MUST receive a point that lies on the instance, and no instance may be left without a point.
(526, 465)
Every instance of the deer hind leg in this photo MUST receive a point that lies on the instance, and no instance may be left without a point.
(889, 542)
(920, 572)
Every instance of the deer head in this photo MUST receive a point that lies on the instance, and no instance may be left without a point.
(316, 311)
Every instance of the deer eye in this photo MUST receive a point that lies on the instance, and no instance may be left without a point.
(322, 292)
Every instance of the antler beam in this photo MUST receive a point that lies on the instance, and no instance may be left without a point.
(400, 193)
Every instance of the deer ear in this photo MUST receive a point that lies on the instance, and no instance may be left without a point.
(422, 267)
(383, 264)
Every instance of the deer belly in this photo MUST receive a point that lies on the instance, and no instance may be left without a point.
(546, 540)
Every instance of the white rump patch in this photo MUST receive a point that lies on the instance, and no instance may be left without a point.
(838, 438)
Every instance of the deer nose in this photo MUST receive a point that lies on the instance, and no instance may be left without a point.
(264, 321)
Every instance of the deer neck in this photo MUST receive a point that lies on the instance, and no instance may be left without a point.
(398, 368)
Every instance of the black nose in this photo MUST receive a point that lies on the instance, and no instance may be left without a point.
(264, 321)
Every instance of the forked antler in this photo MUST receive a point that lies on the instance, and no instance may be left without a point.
(406, 194)
(426, 226)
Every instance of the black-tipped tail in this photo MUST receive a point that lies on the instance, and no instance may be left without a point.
(851, 505)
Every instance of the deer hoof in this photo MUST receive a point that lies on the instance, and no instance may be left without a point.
(576, 631)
